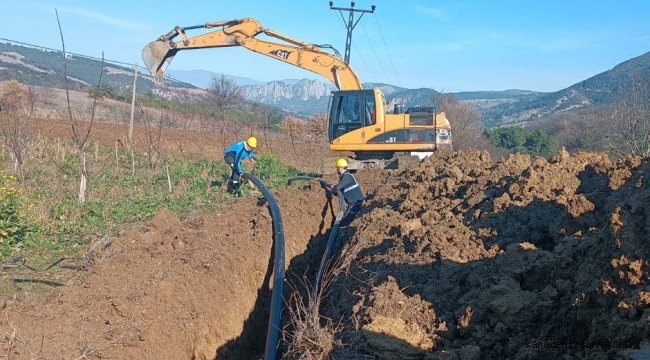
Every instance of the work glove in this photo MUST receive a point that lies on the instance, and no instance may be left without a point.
(325, 185)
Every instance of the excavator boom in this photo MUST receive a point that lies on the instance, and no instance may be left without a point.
(158, 54)
(358, 120)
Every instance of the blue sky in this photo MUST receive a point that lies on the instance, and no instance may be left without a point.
(449, 46)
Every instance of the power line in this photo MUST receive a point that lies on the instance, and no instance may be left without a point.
(374, 51)
(116, 62)
(350, 25)
(388, 52)
(67, 52)
(360, 55)
(364, 63)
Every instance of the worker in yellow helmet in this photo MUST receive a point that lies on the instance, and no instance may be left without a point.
(349, 186)
(234, 155)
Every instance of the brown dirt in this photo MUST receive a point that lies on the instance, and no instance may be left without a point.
(458, 258)
(465, 259)
(191, 290)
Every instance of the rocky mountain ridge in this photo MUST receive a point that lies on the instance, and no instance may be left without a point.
(308, 96)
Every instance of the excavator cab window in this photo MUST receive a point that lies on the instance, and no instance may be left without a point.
(345, 113)
(370, 111)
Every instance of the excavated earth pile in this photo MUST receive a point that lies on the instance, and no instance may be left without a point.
(456, 258)
(462, 258)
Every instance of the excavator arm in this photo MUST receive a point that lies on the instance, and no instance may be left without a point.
(243, 32)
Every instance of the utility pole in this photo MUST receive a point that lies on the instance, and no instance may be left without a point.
(135, 79)
(350, 24)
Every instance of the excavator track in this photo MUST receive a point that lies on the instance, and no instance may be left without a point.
(406, 161)
(400, 161)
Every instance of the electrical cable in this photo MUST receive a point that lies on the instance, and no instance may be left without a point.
(115, 62)
(387, 52)
(374, 51)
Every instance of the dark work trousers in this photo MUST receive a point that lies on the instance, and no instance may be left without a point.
(230, 160)
(233, 184)
(351, 213)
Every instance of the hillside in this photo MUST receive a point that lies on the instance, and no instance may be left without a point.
(308, 97)
(601, 89)
(35, 66)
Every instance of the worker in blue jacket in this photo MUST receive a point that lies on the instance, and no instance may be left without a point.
(234, 155)
(351, 190)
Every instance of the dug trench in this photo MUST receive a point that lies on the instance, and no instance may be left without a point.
(192, 289)
(460, 257)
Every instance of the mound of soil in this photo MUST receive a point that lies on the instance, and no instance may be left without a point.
(456, 258)
(460, 258)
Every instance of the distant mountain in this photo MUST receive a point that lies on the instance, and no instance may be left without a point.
(388, 90)
(311, 96)
(492, 95)
(202, 78)
(600, 89)
(290, 81)
(35, 66)
(307, 97)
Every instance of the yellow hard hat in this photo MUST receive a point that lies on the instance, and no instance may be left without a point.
(252, 142)
(341, 163)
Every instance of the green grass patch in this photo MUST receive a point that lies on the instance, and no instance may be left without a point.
(44, 220)
(273, 172)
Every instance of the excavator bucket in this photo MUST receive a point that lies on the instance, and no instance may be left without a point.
(156, 56)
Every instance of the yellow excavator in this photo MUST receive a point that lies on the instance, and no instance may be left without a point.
(359, 120)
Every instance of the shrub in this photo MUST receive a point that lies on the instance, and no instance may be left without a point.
(272, 171)
(15, 218)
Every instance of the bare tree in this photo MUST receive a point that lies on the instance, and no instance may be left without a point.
(318, 132)
(17, 122)
(624, 125)
(257, 119)
(307, 138)
(226, 95)
(154, 139)
(80, 129)
(466, 126)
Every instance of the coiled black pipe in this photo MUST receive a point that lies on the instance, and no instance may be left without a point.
(330, 240)
(273, 332)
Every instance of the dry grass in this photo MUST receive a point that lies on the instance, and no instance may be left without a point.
(309, 335)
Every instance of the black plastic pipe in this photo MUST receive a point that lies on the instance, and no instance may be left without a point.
(311, 178)
(330, 240)
(273, 331)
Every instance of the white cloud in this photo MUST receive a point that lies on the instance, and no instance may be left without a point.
(106, 19)
(92, 15)
(565, 41)
(438, 14)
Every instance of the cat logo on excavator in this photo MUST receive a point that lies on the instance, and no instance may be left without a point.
(281, 53)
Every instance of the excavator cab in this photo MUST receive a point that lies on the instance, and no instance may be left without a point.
(351, 110)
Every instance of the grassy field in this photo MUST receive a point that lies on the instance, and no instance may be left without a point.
(42, 219)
